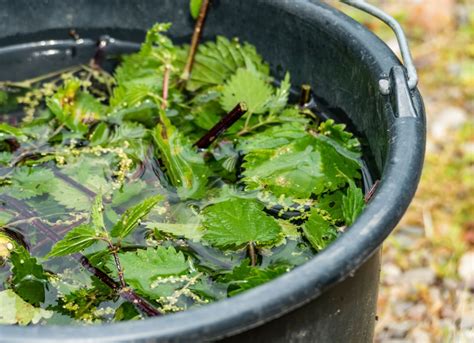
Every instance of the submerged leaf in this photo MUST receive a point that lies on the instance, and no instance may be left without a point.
(338, 133)
(30, 182)
(191, 231)
(185, 167)
(142, 267)
(244, 277)
(29, 279)
(352, 203)
(305, 166)
(75, 108)
(131, 218)
(319, 232)
(17, 311)
(235, 222)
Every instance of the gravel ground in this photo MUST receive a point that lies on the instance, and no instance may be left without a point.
(427, 280)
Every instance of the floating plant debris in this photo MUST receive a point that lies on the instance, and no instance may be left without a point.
(141, 192)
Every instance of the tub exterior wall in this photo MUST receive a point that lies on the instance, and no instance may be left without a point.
(346, 313)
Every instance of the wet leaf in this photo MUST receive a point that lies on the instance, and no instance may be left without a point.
(235, 222)
(17, 311)
(131, 218)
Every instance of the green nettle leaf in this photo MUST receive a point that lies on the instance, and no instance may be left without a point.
(97, 214)
(299, 169)
(185, 167)
(246, 86)
(30, 182)
(319, 231)
(7, 131)
(216, 61)
(76, 240)
(352, 203)
(127, 192)
(194, 7)
(3, 97)
(5, 217)
(235, 222)
(28, 280)
(17, 311)
(338, 133)
(331, 204)
(100, 134)
(69, 196)
(75, 108)
(244, 277)
(93, 172)
(142, 267)
(5, 158)
(191, 231)
(279, 101)
(131, 218)
(274, 137)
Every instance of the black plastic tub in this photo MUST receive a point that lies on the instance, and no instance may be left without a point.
(331, 298)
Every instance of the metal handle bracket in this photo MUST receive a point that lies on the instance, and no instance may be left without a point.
(384, 84)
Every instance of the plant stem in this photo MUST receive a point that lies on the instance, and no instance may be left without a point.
(100, 52)
(166, 81)
(28, 83)
(305, 95)
(128, 294)
(252, 254)
(371, 191)
(198, 28)
(113, 251)
(226, 122)
(269, 121)
(247, 121)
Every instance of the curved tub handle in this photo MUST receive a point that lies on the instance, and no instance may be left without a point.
(385, 84)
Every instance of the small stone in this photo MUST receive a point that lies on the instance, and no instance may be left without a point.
(450, 284)
(467, 320)
(417, 312)
(420, 336)
(448, 119)
(418, 276)
(400, 309)
(466, 269)
(391, 273)
(398, 330)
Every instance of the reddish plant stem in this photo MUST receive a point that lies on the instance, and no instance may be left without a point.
(100, 52)
(371, 191)
(198, 28)
(118, 265)
(84, 261)
(226, 122)
(128, 294)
